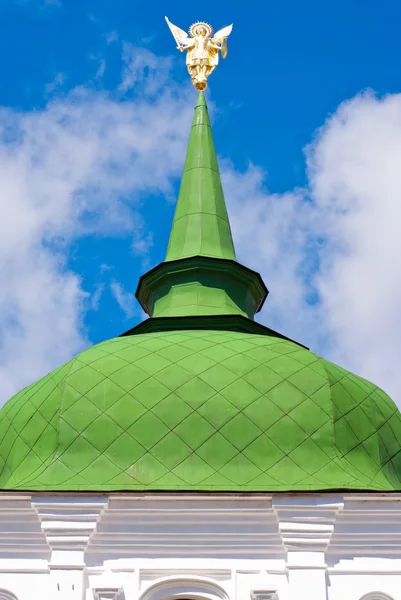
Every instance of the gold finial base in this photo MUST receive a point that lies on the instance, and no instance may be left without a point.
(200, 85)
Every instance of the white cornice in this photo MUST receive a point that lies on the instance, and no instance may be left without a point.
(367, 526)
(185, 526)
(228, 541)
(21, 535)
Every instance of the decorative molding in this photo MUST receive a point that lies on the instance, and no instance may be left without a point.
(195, 546)
(185, 527)
(367, 526)
(263, 595)
(376, 570)
(108, 593)
(306, 524)
(68, 522)
(21, 536)
(212, 573)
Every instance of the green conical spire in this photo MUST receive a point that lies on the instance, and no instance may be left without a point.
(200, 279)
(201, 226)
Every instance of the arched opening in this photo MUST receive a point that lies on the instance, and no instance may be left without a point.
(185, 588)
(6, 595)
(376, 596)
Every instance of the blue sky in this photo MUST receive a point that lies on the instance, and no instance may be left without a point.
(95, 113)
(291, 64)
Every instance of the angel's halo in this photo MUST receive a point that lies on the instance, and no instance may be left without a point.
(194, 27)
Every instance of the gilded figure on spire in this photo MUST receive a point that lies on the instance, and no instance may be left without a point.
(202, 49)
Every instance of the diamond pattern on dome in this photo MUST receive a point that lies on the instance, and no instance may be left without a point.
(200, 410)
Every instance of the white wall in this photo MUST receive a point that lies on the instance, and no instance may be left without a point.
(222, 547)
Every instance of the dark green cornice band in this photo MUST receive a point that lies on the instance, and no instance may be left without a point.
(201, 285)
(212, 323)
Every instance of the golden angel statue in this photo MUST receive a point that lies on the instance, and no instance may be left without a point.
(203, 49)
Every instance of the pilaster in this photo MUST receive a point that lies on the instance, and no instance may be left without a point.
(68, 522)
(306, 525)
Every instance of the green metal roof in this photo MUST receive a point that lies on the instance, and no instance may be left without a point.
(200, 410)
(201, 226)
(206, 399)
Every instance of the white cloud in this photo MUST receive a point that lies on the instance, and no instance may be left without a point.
(57, 83)
(271, 234)
(126, 300)
(330, 253)
(144, 71)
(76, 167)
(97, 296)
(112, 37)
(355, 177)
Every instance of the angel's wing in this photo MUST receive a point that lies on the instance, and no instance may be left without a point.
(179, 35)
(221, 38)
(222, 34)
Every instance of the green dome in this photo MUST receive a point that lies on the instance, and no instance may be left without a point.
(204, 411)
(199, 396)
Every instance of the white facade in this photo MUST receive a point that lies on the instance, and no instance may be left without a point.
(216, 547)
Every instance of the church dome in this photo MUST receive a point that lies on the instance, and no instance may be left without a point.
(203, 410)
(200, 397)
